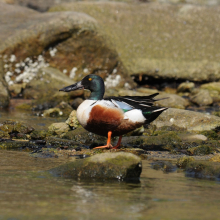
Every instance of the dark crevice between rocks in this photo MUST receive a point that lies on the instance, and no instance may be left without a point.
(161, 83)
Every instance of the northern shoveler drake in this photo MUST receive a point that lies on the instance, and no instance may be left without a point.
(112, 116)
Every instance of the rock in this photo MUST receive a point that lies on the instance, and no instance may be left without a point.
(183, 161)
(38, 135)
(102, 166)
(68, 41)
(212, 86)
(76, 102)
(193, 137)
(167, 52)
(4, 96)
(171, 101)
(165, 166)
(11, 126)
(192, 121)
(201, 150)
(45, 87)
(72, 121)
(203, 170)
(65, 108)
(52, 112)
(58, 128)
(186, 87)
(4, 93)
(58, 142)
(215, 158)
(16, 89)
(201, 97)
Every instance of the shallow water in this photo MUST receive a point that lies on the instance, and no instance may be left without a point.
(28, 193)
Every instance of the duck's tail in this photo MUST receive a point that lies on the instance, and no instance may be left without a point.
(152, 113)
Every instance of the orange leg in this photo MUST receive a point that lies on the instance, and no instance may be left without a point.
(108, 145)
(118, 144)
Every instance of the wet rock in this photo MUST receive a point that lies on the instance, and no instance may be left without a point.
(72, 121)
(215, 158)
(61, 143)
(189, 120)
(102, 166)
(9, 145)
(38, 135)
(201, 97)
(201, 150)
(65, 108)
(165, 166)
(76, 102)
(203, 170)
(183, 161)
(166, 141)
(186, 87)
(11, 126)
(58, 128)
(52, 112)
(167, 52)
(192, 137)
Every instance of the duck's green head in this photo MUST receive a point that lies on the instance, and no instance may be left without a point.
(91, 82)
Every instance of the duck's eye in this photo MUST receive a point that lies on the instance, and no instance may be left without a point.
(90, 79)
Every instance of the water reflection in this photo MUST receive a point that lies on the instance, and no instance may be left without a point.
(28, 193)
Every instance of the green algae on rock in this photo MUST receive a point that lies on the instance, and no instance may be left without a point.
(102, 166)
(183, 161)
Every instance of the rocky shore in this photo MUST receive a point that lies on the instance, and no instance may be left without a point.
(175, 52)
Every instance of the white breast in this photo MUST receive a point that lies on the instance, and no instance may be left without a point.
(83, 111)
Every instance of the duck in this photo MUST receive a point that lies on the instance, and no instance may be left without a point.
(112, 116)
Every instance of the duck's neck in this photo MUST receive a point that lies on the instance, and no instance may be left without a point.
(98, 94)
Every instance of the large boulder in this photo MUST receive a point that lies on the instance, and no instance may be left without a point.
(68, 41)
(161, 40)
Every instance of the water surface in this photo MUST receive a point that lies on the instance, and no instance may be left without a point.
(28, 193)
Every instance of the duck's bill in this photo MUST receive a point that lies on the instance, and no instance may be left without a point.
(73, 87)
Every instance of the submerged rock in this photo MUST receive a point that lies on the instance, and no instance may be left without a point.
(183, 161)
(203, 170)
(102, 166)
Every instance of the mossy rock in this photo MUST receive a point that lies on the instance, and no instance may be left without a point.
(203, 169)
(201, 150)
(11, 145)
(38, 134)
(60, 142)
(165, 166)
(102, 166)
(183, 161)
(11, 126)
(211, 135)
